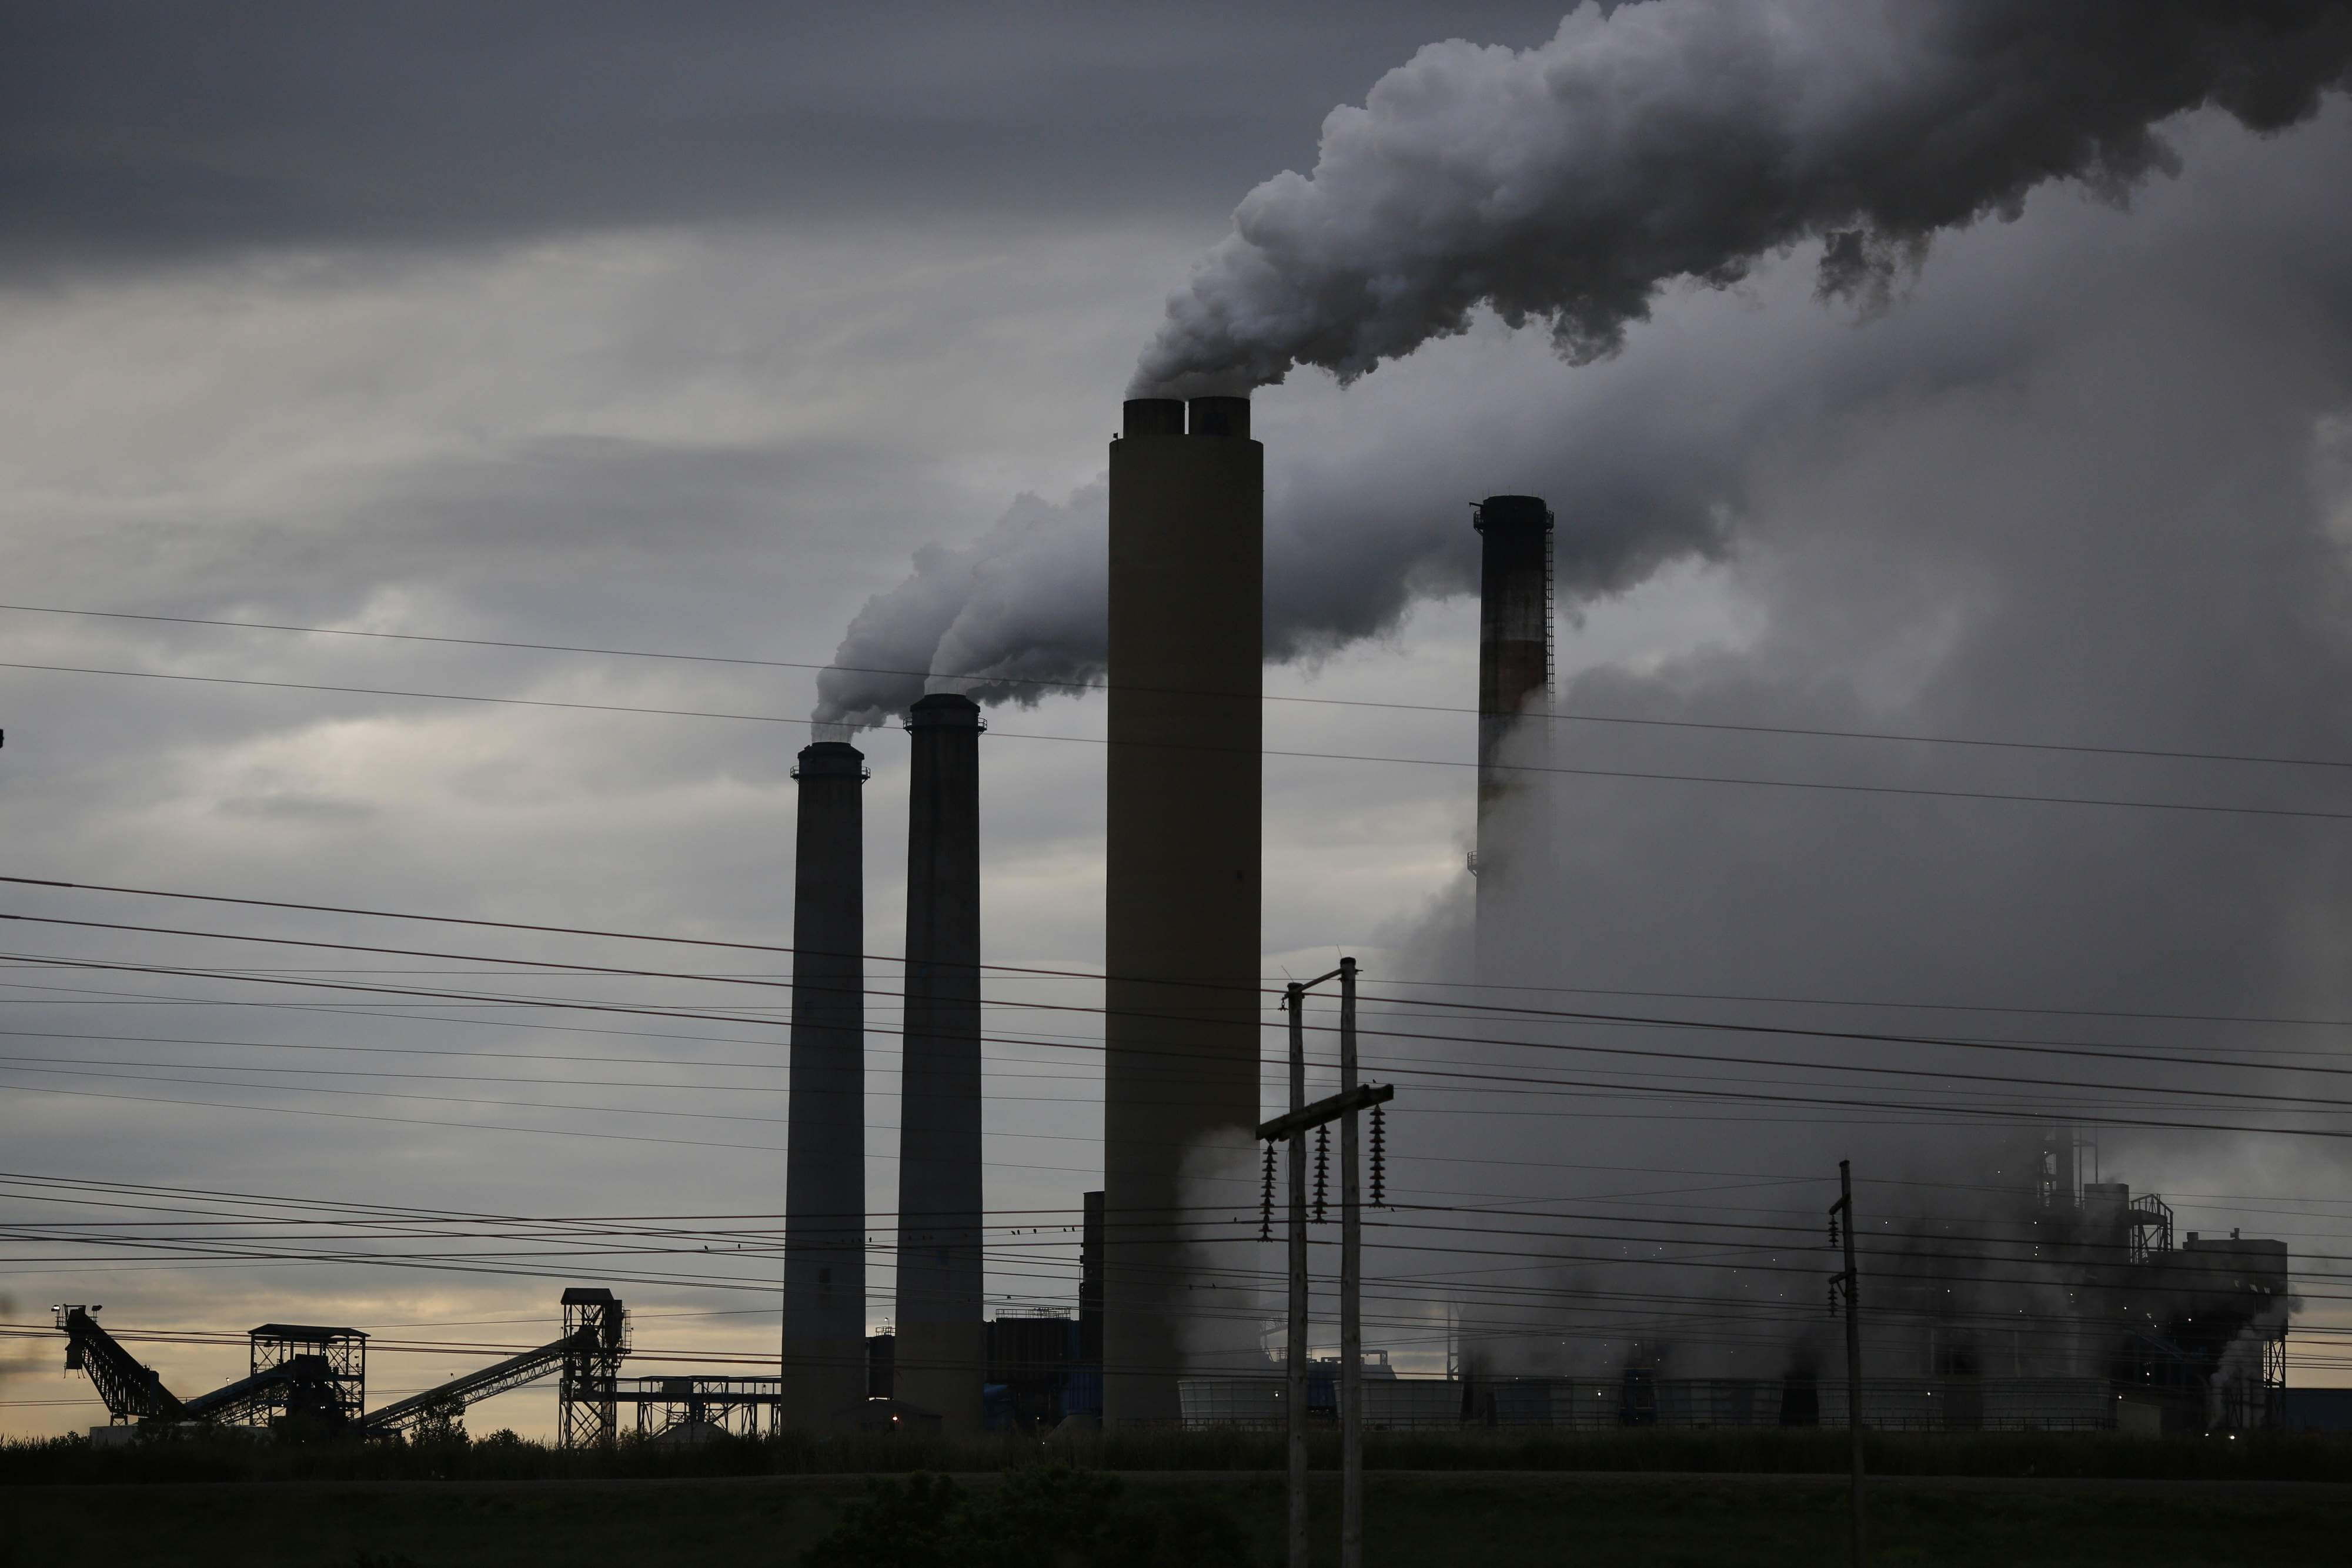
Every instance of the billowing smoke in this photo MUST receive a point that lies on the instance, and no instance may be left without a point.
(1023, 604)
(2131, 517)
(1679, 140)
(1685, 138)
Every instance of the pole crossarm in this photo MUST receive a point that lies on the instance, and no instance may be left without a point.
(1329, 1109)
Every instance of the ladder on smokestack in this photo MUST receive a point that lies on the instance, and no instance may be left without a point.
(1551, 609)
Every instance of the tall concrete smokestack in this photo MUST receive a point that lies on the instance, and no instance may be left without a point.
(825, 1171)
(942, 1348)
(1514, 672)
(1181, 932)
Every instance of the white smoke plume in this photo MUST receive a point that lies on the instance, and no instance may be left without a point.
(2128, 519)
(1687, 139)
(1023, 603)
(1669, 141)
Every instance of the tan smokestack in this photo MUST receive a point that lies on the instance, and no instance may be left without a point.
(1181, 932)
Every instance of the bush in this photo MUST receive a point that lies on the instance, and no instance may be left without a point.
(1046, 1518)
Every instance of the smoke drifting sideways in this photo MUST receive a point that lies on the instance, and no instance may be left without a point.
(1685, 140)
(2135, 521)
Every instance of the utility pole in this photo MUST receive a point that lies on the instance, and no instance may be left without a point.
(1351, 1293)
(1851, 1282)
(1295, 1393)
(1293, 1126)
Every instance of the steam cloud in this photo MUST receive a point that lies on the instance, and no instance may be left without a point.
(1688, 138)
(1570, 184)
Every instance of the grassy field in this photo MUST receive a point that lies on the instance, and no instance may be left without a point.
(1768, 1450)
(1425, 1519)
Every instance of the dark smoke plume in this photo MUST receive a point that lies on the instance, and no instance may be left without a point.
(1679, 140)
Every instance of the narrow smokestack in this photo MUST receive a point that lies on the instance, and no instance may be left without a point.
(824, 1172)
(1180, 930)
(1514, 671)
(942, 1339)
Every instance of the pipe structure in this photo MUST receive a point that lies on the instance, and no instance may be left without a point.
(943, 1350)
(1515, 656)
(1181, 921)
(824, 1370)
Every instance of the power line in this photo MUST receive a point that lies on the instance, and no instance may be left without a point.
(1090, 975)
(526, 926)
(1727, 1253)
(85, 1070)
(2102, 1050)
(1933, 1232)
(1037, 681)
(1870, 1002)
(80, 1066)
(1549, 1082)
(1577, 1297)
(1919, 791)
(1641, 1021)
(1742, 1260)
(1732, 1179)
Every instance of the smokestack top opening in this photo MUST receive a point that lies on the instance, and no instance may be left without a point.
(831, 760)
(945, 710)
(1225, 416)
(1154, 416)
(1506, 514)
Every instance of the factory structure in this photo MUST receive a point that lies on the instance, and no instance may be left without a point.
(2062, 1305)
(2133, 1325)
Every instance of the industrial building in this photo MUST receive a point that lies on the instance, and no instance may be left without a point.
(309, 1381)
(2070, 1307)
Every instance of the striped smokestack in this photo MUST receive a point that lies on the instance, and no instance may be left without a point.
(1180, 938)
(824, 1170)
(941, 1352)
(1515, 535)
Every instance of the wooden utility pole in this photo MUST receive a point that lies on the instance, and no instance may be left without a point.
(1293, 1126)
(1295, 998)
(1851, 1282)
(1351, 1292)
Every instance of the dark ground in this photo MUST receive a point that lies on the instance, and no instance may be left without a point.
(1426, 1518)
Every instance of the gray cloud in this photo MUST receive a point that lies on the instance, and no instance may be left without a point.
(154, 132)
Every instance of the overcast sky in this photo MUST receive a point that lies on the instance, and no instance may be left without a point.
(684, 327)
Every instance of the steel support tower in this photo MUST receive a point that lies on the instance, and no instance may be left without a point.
(595, 1338)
